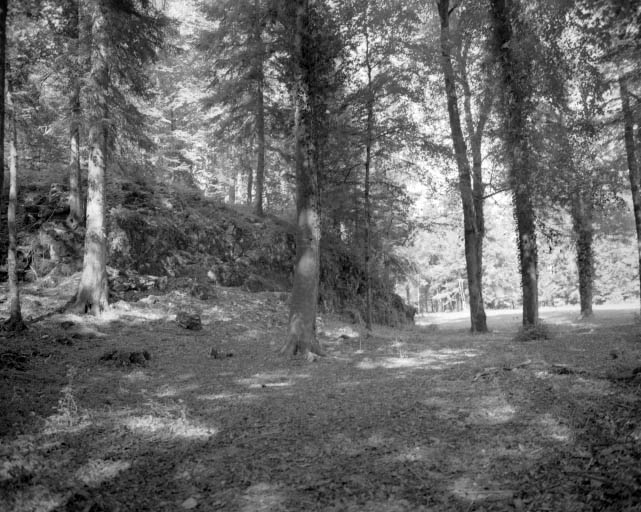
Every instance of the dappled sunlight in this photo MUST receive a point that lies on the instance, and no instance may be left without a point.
(415, 454)
(262, 497)
(468, 489)
(168, 390)
(492, 410)
(168, 428)
(96, 471)
(137, 376)
(276, 379)
(240, 397)
(434, 359)
(553, 429)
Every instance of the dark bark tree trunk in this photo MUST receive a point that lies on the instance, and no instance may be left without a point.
(93, 294)
(301, 331)
(516, 104)
(14, 323)
(583, 228)
(260, 112)
(633, 163)
(369, 137)
(76, 206)
(473, 239)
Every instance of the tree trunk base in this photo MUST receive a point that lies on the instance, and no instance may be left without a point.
(14, 324)
(293, 348)
(86, 307)
(586, 315)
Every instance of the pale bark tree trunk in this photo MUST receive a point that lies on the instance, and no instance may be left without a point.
(232, 189)
(76, 206)
(93, 294)
(633, 164)
(260, 112)
(14, 323)
(3, 48)
(250, 183)
(301, 331)
(515, 108)
(473, 243)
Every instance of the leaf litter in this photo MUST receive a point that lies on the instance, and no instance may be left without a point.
(418, 419)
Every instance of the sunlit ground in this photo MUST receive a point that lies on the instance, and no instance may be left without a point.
(621, 313)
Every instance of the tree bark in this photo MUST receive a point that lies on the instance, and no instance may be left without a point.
(3, 50)
(369, 129)
(93, 294)
(76, 207)
(260, 112)
(583, 228)
(15, 322)
(633, 164)
(516, 104)
(473, 247)
(250, 183)
(301, 331)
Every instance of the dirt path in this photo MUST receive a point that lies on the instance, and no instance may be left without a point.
(421, 419)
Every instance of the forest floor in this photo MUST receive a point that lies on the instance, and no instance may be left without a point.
(425, 418)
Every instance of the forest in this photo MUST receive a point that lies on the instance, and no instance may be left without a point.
(355, 255)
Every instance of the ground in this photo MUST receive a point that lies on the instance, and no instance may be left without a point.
(426, 418)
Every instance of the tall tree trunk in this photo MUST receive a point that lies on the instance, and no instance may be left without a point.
(369, 129)
(633, 164)
(250, 183)
(473, 247)
(3, 50)
(301, 331)
(76, 206)
(260, 111)
(583, 228)
(232, 188)
(93, 294)
(516, 102)
(14, 323)
(76, 209)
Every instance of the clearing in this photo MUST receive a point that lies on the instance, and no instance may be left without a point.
(425, 418)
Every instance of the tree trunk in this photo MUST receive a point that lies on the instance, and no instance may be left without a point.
(93, 294)
(260, 113)
(301, 331)
(473, 247)
(582, 224)
(76, 207)
(250, 183)
(516, 103)
(3, 49)
(366, 193)
(633, 164)
(14, 323)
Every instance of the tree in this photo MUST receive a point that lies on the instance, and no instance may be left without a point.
(511, 40)
(308, 91)
(14, 323)
(613, 28)
(373, 127)
(124, 36)
(77, 40)
(3, 50)
(471, 197)
(237, 47)
(93, 293)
